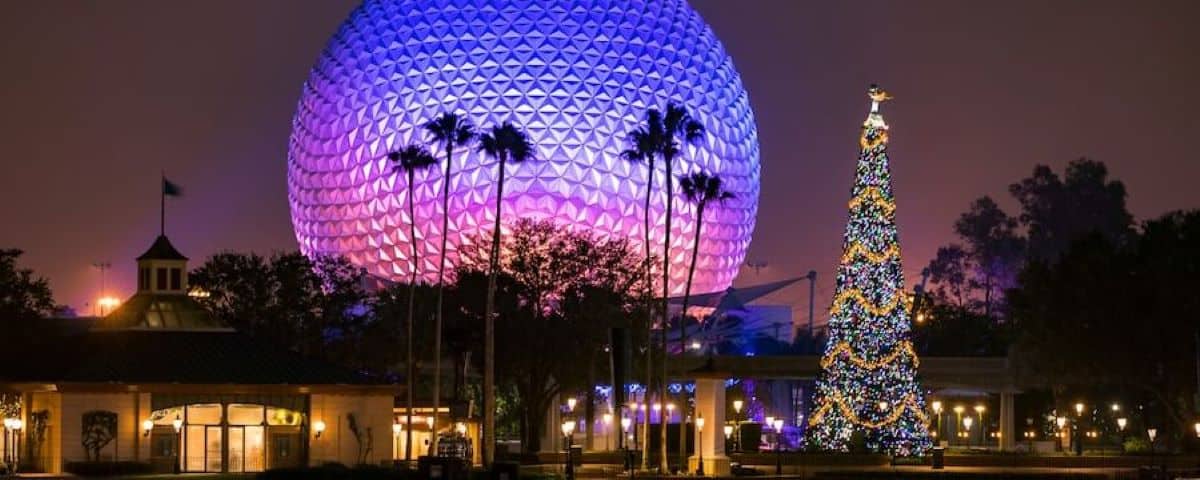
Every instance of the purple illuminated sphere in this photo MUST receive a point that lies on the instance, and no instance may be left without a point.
(575, 75)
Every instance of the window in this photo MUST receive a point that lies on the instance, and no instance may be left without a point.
(143, 279)
(161, 280)
(176, 279)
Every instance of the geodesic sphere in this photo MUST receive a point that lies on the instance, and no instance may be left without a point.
(575, 75)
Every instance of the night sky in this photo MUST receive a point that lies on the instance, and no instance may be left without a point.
(96, 98)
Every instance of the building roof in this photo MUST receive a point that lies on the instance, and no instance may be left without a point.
(734, 298)
(162, 250)
(72, 353)
(160, 311)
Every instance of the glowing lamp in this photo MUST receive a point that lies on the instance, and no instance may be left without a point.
(695, 345)
(461, 428)
(177, 423)
(571, 404)
(625, 423)
(937, 407)
(568, 427)
(980, 408)
(967, 422)
(737, 406)
(657, 407)
(1197, 427)
(608, 419)
(429, 422)
(770, 421)
(883, 406)
(958, 409)
(1152, 432)
(1116, 407)
(147, 425)
(1078, 409)
(1121, 422)
(778, 425)
(318, 428)
(728, 431)
(700, 423)
(1061, 421)
(396, 428)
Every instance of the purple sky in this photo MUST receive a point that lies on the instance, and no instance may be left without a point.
(97, 97)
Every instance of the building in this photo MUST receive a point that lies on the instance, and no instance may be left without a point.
(576, 76)
(160, 381)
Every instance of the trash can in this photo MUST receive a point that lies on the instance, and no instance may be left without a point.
(939, 458)
(505, 471)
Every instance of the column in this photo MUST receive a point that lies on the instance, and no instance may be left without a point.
(1008, 434)
(710, 404)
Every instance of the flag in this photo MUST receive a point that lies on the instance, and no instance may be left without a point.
(170, 189)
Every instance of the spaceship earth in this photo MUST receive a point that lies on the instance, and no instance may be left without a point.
(575, 75)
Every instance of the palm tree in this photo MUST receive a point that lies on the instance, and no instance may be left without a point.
(504, 143)
(408, 161)
(676, 123)
(448, 130)
(645, 141)
(698, 188)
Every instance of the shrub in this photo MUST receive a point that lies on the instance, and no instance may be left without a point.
(107, 469)
(1137, 446)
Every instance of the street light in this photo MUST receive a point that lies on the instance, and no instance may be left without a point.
(737, 422)
(1121, 422)
(967, 421)
(1116, 407)
(700, 449)
(568, 428)
(937, 410)
(147, 425)
(778, 424)
(625, 423)
(979, 410)
(571, 404)
(958, 411)
(177, 424)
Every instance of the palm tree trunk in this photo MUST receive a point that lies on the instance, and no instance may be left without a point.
(662, 437)
(437, 323)
(687, 294)
(410, 369)
(489, 325)
(649, 318)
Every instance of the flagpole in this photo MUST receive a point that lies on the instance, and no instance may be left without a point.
(162, 205)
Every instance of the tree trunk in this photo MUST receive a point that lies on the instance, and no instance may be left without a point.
(666, 315)
(437, 323)
(649, 318)
(489, 324)
(687, 294)
(410, 372)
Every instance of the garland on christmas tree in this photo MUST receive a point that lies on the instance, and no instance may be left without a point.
(868, 380)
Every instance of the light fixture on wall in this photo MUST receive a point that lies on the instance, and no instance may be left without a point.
(318, 428)
(177, 423)
(147, 425)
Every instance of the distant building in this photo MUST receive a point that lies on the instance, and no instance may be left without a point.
(161, 381)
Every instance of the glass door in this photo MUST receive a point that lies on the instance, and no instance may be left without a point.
(246, 449)
(213, 452)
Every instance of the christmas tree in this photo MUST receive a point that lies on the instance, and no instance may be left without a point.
(868, 385)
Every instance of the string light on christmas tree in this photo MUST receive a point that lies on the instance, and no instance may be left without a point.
(868, 373)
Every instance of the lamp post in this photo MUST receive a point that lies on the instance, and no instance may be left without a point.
(967, 421)
(1151, 432)
(979, 410)
(937, 411)
(958, 411)
(568, 428)
(778, 424)
(1121, 422)
(177, 424)
(625, 423)
(700, 449)
(737, 422)
(1078, 429)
